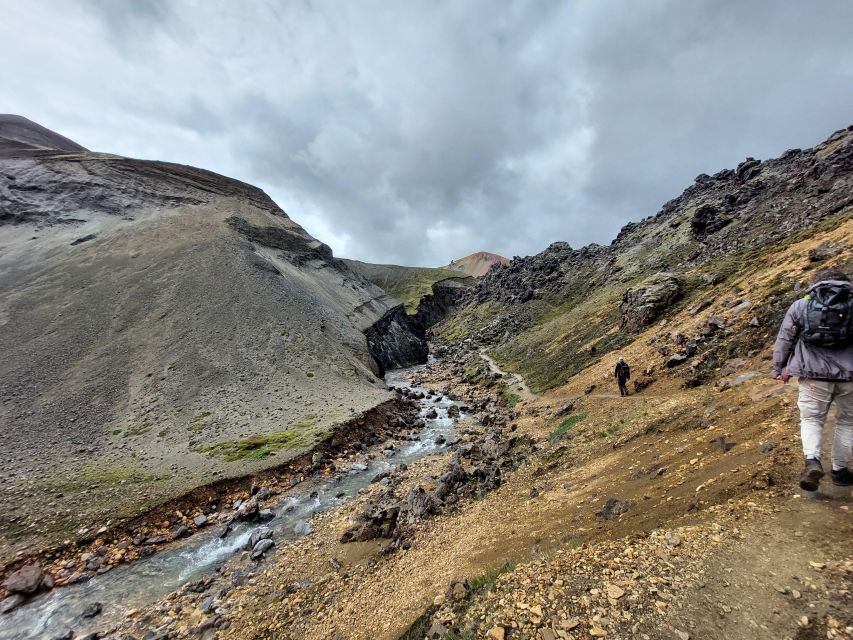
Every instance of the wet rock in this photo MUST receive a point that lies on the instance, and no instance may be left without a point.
(380, 476)
(92, 610)
(27, 579)
(200, 521)
(302, 528)
(265, 514)
(613, 508)
(453, 411)
(261, 548)
(11, 603)
(261, 533)
(180, 531)
(358, 466)
(65, 634)
(432, 414)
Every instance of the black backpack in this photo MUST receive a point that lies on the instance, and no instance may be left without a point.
(828, 318)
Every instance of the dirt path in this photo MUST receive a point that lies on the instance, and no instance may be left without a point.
(514, 381)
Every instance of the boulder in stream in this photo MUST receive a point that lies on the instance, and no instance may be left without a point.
(260, 549)
(27, 579)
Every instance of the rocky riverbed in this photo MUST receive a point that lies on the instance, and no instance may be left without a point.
(200, 553)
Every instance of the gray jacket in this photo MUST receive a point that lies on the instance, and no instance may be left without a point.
(808, 360)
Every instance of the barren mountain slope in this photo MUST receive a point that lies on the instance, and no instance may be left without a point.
(163, 326)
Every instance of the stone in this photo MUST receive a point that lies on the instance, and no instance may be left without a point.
(92, 610)
(743, 307)
(265, 514)
(707, 219)
(261, 533)
(496, 633)
(676, 359)
(613, 508)
(643, 304)
(11, 603)
(615, 592)
(261, 548)
(358, 466)
(823, 252)
(180, 531)
(597, 632)
(200, 521)
(27, 579)
(207, 605)
(302, 528)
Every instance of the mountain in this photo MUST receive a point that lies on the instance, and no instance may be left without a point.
(477, 264)
(550, 315)
(408, 284)
(162, 326)
(17, 131)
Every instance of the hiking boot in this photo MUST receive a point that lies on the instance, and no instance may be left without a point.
(842, 477)
(811, 475)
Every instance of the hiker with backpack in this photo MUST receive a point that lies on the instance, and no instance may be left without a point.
(623, 374)
(815, 343)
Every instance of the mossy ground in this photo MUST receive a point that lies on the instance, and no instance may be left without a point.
(260, 446)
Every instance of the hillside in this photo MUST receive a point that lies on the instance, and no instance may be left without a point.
(498, 507)
(549, 316)
(408, 284)
(163, 327)
(477, 264)
(19, 131)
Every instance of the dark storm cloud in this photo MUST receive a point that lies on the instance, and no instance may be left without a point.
(421, 131)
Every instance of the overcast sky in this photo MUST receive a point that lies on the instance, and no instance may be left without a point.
(419, 131)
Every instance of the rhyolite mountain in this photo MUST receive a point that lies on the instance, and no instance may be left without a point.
(477, 264)
(162, 326)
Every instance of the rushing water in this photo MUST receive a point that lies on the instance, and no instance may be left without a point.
(147, 580)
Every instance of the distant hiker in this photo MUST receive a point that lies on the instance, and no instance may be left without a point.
(623, 374)
(815, 343)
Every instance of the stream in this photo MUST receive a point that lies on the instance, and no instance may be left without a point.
(145, 581)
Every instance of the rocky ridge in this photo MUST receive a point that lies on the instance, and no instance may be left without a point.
(566, 303)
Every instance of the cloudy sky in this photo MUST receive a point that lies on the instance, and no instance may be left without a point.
(419, 131)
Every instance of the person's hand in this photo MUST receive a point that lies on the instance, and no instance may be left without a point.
(784, 376)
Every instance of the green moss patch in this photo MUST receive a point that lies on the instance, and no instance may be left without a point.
(565, 425)
(262, 445)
